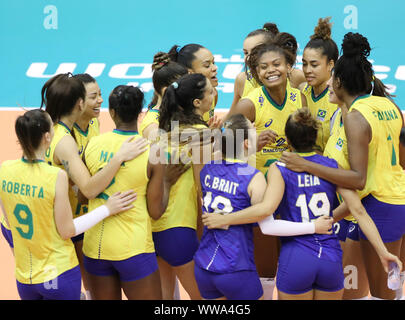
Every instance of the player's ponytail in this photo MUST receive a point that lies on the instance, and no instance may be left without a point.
(178, 101)
(30, 128)
(165, 71)
(184, 55)
(60, 94)
(321, 39)
(301, 130)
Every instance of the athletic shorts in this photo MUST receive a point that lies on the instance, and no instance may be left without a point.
(300, 271)
(388, 218)
(78, 238)
(346, 229)
(239, 285)
(176, 246)
(131, 269)
(7, 235)
(67, 286)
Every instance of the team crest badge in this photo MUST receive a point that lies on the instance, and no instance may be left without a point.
(321, 115)
(339, 144)
(261, 101)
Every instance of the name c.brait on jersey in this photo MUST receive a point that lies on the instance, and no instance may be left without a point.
(221, 184)
(308, 180)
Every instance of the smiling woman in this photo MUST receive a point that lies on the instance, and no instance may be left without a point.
(198, 59)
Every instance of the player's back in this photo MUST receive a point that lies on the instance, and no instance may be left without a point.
(225, 189)
(306, 197)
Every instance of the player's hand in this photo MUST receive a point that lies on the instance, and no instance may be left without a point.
(266, 137)
(131, 148)
(215, 122)
(293, 161)
(323, 225)
(214, 220)
(120, 201)
(387, 257)
(174, 172)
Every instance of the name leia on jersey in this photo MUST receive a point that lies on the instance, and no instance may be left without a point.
(221, 184)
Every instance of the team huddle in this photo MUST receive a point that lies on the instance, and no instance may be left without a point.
(301, 180)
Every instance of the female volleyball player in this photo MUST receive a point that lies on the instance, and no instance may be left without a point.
(184, 102)
(244, 82)
(86, 127)
(35, 201)
(224, 262)
(372, 127)
(119, 253)
(268, 107)
(63, 96)
(198, 59)
(310, 266)
(319, 57)
(165, 72)
(347, 229)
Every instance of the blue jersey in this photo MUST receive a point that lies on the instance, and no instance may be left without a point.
(224, 188)
(307, 197)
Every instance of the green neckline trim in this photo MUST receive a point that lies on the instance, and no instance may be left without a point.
(64, 125)
(359, 98)
(32, 161)
(275, 104)
(125, 133)
(320, 96)
(83, 133)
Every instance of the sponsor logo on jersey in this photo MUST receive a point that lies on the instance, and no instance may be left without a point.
(293, 96)
(268, 123)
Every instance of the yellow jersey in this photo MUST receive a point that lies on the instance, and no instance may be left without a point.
(61, 130)
(385, 176)
(271, 116)
(28, 194)
(129, 233)
(208, 115)
(336, 147)
(250, 84)
(151, 116)
(3, 223)
(182, 208)
(322, 110)
(82, 139)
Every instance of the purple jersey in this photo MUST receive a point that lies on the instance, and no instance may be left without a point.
(307, 197)
(224, 188)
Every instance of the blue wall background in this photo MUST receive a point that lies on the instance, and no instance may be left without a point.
(40, 38)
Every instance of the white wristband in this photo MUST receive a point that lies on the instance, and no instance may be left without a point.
(90, 219)
(270, 226)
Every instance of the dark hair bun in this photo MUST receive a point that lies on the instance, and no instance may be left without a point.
(304, 117)
(354, 44)
(271, 27)
(323, 30)
(160, 59)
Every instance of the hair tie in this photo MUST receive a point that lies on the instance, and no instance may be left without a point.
(178, 49)
(265, 29)
(175, 85)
